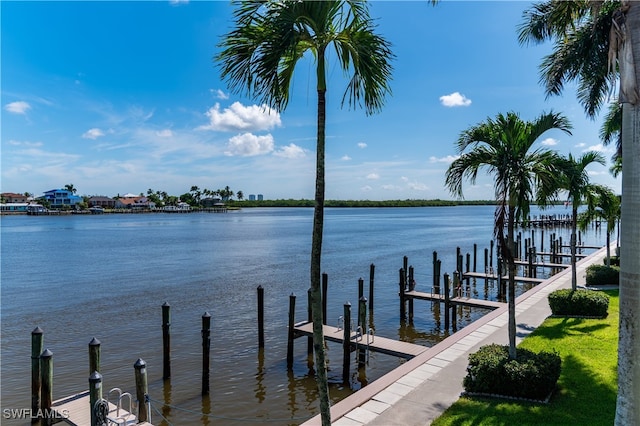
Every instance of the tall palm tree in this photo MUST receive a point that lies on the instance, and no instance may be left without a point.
(602, 203)
(504, 147)
(611, 32)
(69, 187)
(573, 179)
(259, 56)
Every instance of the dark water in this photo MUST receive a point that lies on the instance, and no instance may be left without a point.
(106, 276)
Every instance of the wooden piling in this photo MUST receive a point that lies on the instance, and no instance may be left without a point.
(491, 254)
(37, 345)
(346, 344)
(94, 355)
(166, 341)
(206, 351)
(292, 315)
(403, 307)
(325, 289)
(501, 295)
(360, 287)
(412, 285)
(372, 271)
(362, 322)
(140, 368)
(457, 288)
(475, 256)
(467, 267)
(95, 395)
(435, 274)
(446, 301)
(260, 317)
(46, 384)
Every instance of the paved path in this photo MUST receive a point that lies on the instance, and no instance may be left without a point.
(418, 391)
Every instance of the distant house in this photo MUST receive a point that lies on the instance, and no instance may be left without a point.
(133, 203)
(104, 202)
(12, 197)
(211, 202)
(59, 198)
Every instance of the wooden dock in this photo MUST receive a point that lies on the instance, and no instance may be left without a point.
(543, 265)
(462, 301)
(75, 410)
(578, 255)
(374, 343)
(505, 277)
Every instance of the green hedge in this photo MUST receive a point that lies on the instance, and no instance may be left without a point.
(602, 275)
(531, 375)
(579, 302)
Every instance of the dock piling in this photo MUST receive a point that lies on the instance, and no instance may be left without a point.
(95, 395)
(325, 288)
(46, 381)
(346, 343)
(372, 271)
(362, 322)
(403, 306)
(37, 344)
(260, 316)
(292, 315)
(206, 350)
(94, 355)
(166, 341)
(447, 304)
(140, 368)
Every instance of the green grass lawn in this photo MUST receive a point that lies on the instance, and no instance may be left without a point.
(586, 390)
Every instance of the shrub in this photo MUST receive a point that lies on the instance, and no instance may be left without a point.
(613, 260)
(531, 375)
(579, 302)
(603, 275)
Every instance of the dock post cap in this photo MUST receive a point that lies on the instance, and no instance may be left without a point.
(166, 304)
(139, 364)
(347, 303)
(37, 330)
(94, 342)
(206, 315)
(95, 377)
(46, 354)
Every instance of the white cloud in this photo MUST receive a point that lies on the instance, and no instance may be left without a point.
(346, 158)
(219, 94)
(248, 145)
(448, 159)
(373, 176)
(599, 148)
(18, 107)
(241, 118)
(418, 186)
(94, 133)
(165, 133)
(454, 100)
(581, 145)
(290, 151)
(549, 142)
(362, 145)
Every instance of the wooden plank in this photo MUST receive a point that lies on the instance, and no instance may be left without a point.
(463, 301)
(560, 254)
(495, 277)
(543, 265)
(375, 343)
(76, 411)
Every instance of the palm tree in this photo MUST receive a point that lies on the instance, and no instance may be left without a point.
(609, 33)
(259, 56)
(504, 147)
(240, 195)
(602, 203)
(69, 187)
(573, 179)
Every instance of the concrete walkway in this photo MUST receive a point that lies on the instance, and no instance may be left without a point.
(420, 390)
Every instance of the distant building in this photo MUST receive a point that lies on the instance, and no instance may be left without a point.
(135, 203)
(12, 197)
(252, 197)
(260, 197)
(100, 201)
(14, 207)
(59, 198)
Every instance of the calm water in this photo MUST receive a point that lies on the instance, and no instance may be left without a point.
(106, 276)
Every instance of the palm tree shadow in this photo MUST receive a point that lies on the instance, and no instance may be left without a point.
(568, 326)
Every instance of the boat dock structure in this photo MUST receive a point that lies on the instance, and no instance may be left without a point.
(421, 389)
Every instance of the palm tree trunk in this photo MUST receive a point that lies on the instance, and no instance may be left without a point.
(316, 253)
(574, 226)
(628, 402)
(512, 284)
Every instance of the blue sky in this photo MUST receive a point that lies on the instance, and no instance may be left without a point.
(120, 97)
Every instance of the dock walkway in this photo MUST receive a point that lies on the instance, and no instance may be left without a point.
(418, 391)
(374, 343)
(75, 410)
(462, 301)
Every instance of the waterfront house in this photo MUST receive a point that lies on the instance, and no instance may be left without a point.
(135, 203)
(100, 201)
(61, 198)
(12, 197)
(13, 207)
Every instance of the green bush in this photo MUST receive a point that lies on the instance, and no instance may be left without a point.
(531, 375)
(603, 275)
(613, 260)
(579, 302)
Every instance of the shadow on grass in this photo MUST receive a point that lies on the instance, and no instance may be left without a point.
(570, 326)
